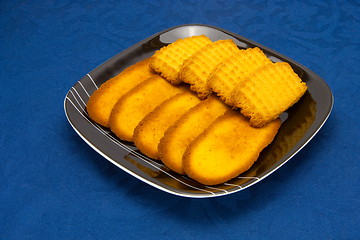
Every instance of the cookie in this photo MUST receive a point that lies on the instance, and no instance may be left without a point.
(168, 60)
(190, 125)
(102, 101)
(268, 92)
(234, 69)
(152, 127)
(227, 148)
(131, 108)
(197, 68)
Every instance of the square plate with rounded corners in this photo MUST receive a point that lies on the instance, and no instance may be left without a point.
(300, 123)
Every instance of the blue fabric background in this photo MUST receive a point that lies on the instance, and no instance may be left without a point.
(54, 186)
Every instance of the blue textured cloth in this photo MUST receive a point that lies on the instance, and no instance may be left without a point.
(54, 186)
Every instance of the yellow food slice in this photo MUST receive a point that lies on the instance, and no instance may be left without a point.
(227, 148)
(197, 68)
(151, 128)
(139, 101)
(233, 70)
(177, 137)
(268, 92)
(102, 101)
(168, 60)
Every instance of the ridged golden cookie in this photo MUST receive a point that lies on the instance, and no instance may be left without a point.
(268, 92)
(230, 72)
(197, 68)
(168, 60)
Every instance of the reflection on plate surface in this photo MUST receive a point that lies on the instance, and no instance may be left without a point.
(300, 123)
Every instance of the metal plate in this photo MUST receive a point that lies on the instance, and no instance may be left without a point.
(300, 123)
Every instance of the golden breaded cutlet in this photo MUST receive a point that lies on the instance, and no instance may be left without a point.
(190, 125)
(227, 148)
(151, 128)
(268, 92)
(234, 69)
(168, 60)
(102, 101)
(197, 68)
(139, 101)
